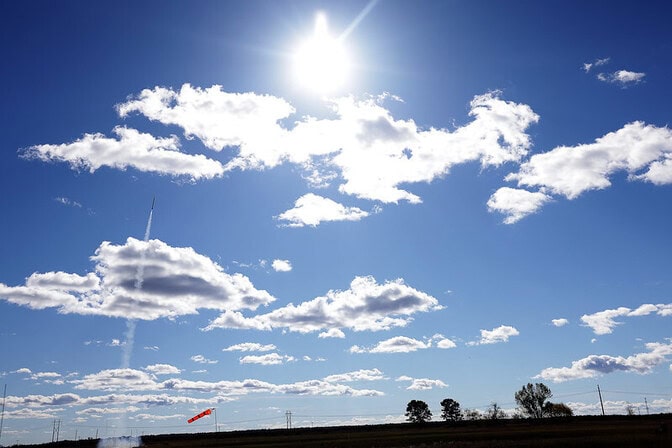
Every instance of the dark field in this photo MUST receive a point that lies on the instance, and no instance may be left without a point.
(609, 431)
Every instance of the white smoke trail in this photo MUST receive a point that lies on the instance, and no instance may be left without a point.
(127, 350)
(129, 340)
(140, 274)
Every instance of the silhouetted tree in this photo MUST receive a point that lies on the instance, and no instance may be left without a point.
(450, 410)
(417, 411)
(557, 410)
(495, 412)
(532, 399)
(472, 414)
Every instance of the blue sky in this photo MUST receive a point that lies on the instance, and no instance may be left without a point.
(445, 199)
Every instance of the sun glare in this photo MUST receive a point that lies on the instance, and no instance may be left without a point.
(321, 63)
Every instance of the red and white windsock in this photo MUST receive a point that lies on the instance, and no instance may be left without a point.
(201, 415)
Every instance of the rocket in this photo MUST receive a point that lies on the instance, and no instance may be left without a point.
(153, 199)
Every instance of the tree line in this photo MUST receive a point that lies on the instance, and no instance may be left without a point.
(532, 400)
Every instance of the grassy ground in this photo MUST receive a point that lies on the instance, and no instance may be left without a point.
(577, 432)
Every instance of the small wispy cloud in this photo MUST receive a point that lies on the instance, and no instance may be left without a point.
(203, 360)
(67, 201)
(587, 66)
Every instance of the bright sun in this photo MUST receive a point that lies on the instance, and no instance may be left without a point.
(320, 62)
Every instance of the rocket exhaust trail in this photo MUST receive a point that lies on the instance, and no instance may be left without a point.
(139, 278)
(129, 335)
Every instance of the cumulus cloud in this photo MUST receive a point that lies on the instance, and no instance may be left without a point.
(332, 333)
(358, 375)
(248, 386)
(162, 369)
(281, 265)
(177, 281)
(642, 151)
(496, 335)
(269, 359)
(403, 344)
(516, 203)
(312, 210)
(116, 380)
(422, 383)
(131, 148)
(560, 322)
(398, 344)
(250, 347)
(622, 77)
(71, 400)
(595, 365)
(218, 118)
(366, 306)
(372, 153)
(604, 322)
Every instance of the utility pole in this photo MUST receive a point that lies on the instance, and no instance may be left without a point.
(2, 418)
(646, 403)
(600, 394)
(288, 416)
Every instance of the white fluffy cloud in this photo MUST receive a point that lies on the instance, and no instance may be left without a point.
(559, 322)
(516, 203)
(312, 210)
(250, 347)
(359, 375)
(604, 322)
(422, 383)
(374, 152)
(131, 148)
(218, 118)
(163, 369)
(176, 281)
(643, 151)
(117, 379)
(398, 344)
(269, 359)
(595, 365)
(403, 344)
(361, 144)
(281, 265)
(622, 77)
(496, 335)
(332, 333)
(366, 306)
